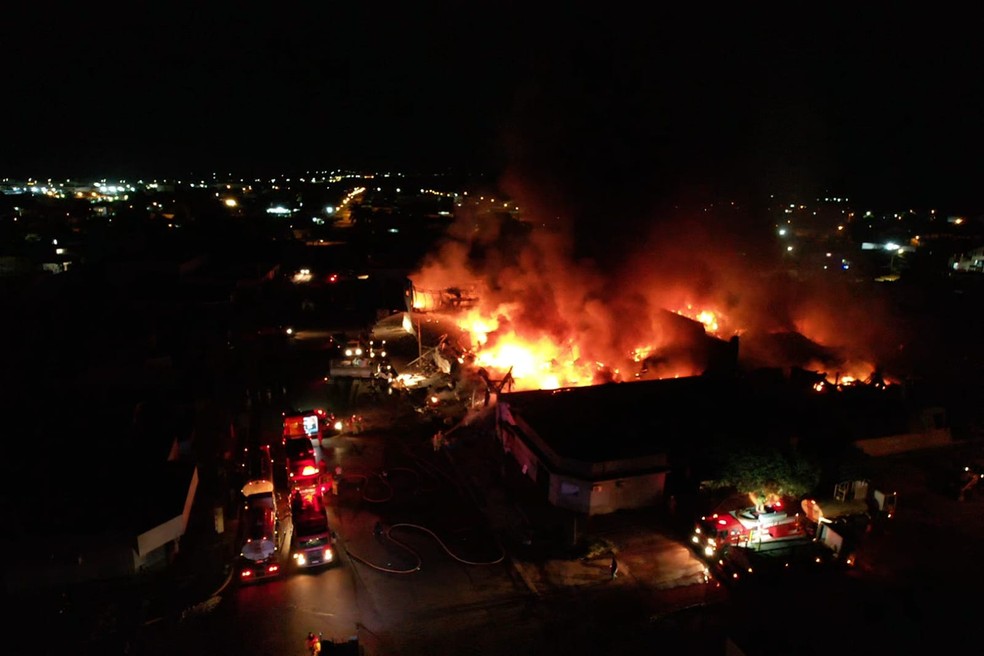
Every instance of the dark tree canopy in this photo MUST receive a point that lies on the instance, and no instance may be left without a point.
(765, 472)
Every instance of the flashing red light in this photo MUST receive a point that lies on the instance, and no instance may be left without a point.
(333, 277)
(273, 569)
(777, 504)
(722, 522)
(246, 574)
(309, 470)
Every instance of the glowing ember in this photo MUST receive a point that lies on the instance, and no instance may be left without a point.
(848, 375)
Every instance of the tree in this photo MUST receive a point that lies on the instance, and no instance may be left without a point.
(765, 473)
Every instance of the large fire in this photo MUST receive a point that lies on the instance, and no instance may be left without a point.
(534, 362)
(712, 320)
(539, 362)
(528, 314)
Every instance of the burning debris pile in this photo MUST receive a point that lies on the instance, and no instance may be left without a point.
(530, 310)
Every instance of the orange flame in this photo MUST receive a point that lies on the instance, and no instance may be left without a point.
(543, 362)
(711, 319)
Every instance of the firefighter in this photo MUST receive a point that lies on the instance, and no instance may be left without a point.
(313, 643)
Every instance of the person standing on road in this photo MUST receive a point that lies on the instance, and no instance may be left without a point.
(613, 568)
(313, 644)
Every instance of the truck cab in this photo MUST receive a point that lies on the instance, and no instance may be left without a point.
(313, 540)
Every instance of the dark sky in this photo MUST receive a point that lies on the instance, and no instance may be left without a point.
(869, 103)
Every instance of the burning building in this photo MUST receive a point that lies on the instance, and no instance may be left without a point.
(562, 323)
(528, 304)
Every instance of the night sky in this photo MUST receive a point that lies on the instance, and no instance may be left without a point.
(868, 103)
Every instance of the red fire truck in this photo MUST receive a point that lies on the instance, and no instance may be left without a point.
(259, 557)
(305, 423)
(747, 528)
(313, 539)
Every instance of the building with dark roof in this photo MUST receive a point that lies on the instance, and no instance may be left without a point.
(603, 448)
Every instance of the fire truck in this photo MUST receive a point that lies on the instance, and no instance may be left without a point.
(748, 528)
(314, 541)
(259, 556)
(306, 423)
